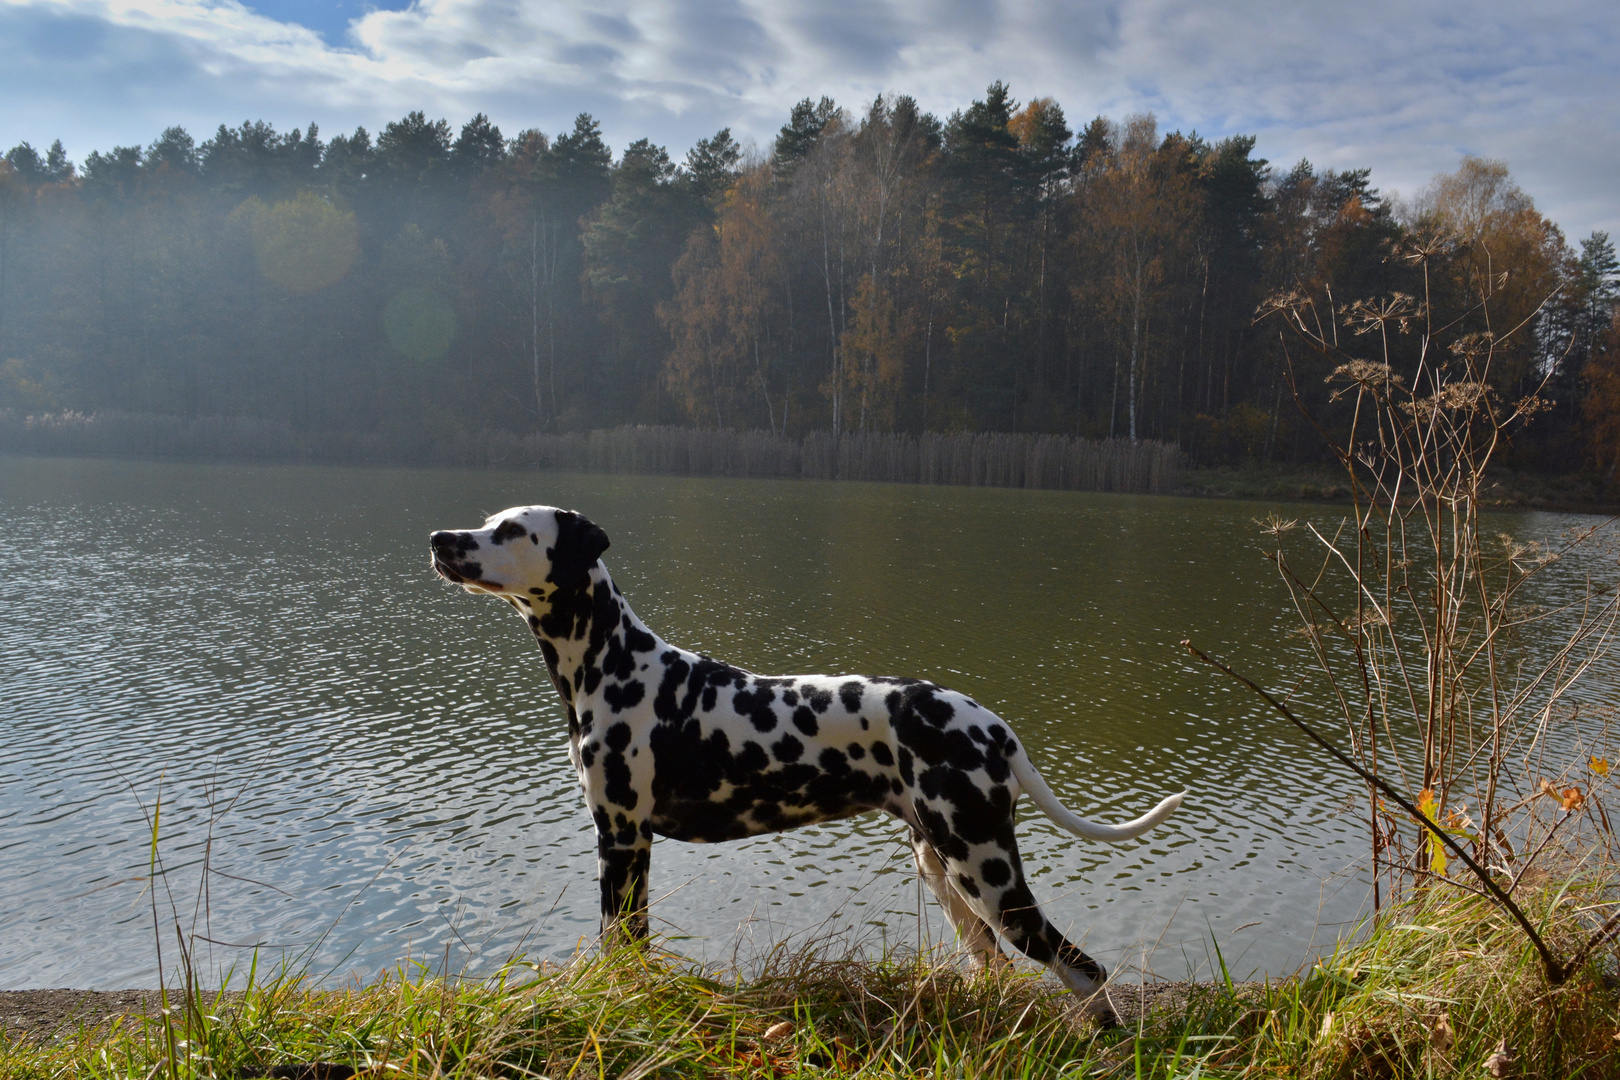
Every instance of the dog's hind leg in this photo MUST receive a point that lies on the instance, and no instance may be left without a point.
(990, 880)
(974, 932)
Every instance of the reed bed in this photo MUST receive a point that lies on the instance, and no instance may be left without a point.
(985, 459)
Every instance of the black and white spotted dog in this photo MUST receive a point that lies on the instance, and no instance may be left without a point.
(672, 743)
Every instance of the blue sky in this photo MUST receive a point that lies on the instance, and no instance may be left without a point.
(1406, 88)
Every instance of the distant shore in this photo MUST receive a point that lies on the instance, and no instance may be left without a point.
(1508, 489)
(978, 459)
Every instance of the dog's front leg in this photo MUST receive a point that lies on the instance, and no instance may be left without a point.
(623, 856)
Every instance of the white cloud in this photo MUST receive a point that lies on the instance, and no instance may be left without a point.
(1403, 88)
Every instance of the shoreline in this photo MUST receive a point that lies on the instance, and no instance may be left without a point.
(1512, 490)
(41, 1015)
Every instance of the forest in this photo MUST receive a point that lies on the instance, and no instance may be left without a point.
(873, 270)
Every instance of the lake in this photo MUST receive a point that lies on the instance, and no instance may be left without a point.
(373, 765)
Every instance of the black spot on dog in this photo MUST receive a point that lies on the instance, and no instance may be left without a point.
(995, 871)
(805, 720)
(756, 706)
(882, 754)
(968, 886)
(819, 699)
(570, 614)
(667, 704)
(931, 707)
(638, 640)
(937, 828)
(850, 695)
(975, 817)
(618, 736)
(787, 749)
(752, 759)
(620, 698)
(833, 762)
(856, 751)
(616, 774)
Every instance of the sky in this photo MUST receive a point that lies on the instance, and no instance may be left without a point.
(1405, 88)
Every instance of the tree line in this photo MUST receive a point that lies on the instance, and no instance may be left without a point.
(874, 271)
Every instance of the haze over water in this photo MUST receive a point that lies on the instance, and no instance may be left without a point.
(386, 759)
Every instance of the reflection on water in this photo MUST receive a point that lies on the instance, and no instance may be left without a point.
(374, 763)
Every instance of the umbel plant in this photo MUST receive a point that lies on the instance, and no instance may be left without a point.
(1454, 658)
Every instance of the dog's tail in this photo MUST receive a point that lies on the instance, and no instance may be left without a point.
(1035, 785)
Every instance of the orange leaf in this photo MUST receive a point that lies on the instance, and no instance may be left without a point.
(1572, 798)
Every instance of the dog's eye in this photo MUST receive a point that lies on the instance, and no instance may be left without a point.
(509, 530)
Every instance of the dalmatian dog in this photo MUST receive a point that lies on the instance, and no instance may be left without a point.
(669, 742)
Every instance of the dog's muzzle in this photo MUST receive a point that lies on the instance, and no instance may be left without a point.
(450, 561)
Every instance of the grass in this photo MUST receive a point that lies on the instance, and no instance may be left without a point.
(1441, 987)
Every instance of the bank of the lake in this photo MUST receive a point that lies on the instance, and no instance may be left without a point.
(1445, 989)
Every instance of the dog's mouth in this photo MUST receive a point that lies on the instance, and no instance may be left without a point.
(448, 572)
(468, 581)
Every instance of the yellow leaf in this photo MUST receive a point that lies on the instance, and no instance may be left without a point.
(1600, 766)
(1437, 850)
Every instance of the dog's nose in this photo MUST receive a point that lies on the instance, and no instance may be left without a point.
(442, 540)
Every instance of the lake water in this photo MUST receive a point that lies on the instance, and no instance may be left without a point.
(373, 764)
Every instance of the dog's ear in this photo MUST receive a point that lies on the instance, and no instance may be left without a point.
(580, 542)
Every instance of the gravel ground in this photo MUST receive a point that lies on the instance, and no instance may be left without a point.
(39, 1014)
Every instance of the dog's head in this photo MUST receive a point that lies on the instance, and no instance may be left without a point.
(528, 551)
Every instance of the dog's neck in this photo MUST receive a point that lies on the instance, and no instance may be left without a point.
(588, 633)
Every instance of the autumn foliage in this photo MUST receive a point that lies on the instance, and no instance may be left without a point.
(877, 270)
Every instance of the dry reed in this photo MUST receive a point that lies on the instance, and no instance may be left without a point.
(982, 459)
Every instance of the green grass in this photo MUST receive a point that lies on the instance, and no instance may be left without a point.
(1435, 990)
